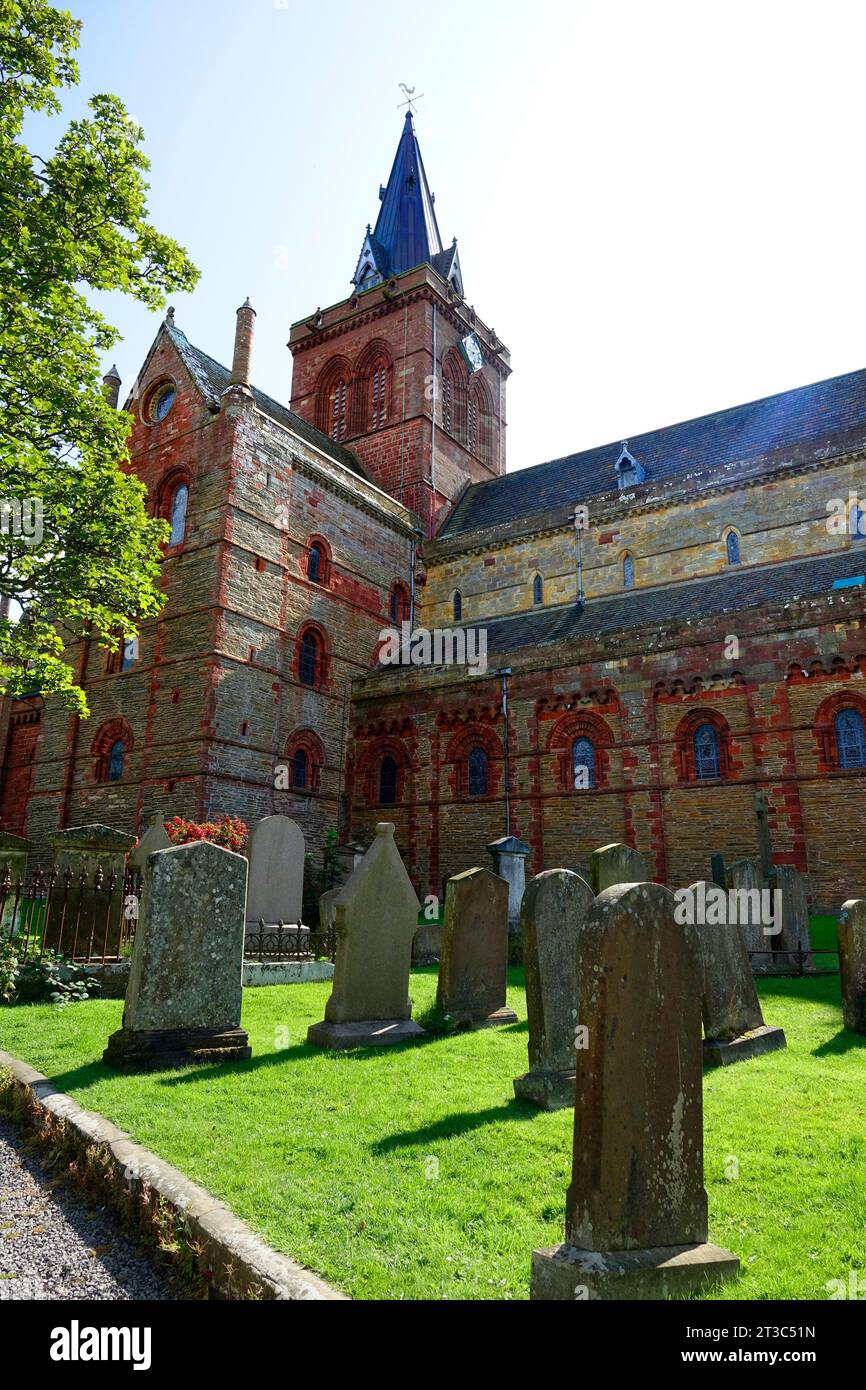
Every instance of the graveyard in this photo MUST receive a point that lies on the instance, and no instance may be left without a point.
(412, 1171)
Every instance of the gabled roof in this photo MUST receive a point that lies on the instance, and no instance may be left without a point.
(810, 423)
(212, 379)
(406, 232)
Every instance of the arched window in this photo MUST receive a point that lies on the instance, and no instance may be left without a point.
(850, 738)
(454, 402)
(458, 606)
(116, 753)
(706, 746)
(314, 564)
(177, 514)
(582, 764)
(733, 544)
(387, 781)
(398, 604)
(628, 571)
(338, 400)
(378, 380)
(299, 770)
(477, 772)
(309, 659)
(538, 589)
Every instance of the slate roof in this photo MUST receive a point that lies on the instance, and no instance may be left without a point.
(212, 378)
(732, 591)
(810, 423)
(406, 232)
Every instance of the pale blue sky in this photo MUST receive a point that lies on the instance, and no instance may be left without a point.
(658, 205)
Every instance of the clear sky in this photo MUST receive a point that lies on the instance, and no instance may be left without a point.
(658, 205)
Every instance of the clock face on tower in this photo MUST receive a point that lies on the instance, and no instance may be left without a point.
(471, 350)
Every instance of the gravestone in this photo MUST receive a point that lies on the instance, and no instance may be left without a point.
(794, 937)
(376, 913)
(155, 837)
(765, 848)
(851, 931)
(717, 869)
(183, 1001)
(14, 850)
(276, 878)
(734, 1027)
(743, 878)
(636, 1210)
(614, 864)
(554, 906)
(91, 920)
(509, 857)
(473, 970)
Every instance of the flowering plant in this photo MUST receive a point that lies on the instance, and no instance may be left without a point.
(228, 831)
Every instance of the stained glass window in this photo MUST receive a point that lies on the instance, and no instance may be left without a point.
(706, 752)
(583, 763)
(177, 516)
(115, 762)
(388, 781)
(314, 564)
(299, 770)
(308, 662)
(628, 572)
(733, 548)
(478, 772)
(850, 738)
(458, 606)
(537, 589)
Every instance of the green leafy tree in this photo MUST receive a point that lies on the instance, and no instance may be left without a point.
(78, 551)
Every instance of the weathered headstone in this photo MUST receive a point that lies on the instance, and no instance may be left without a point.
(376, 913)
(794, 939)
(614, 864)
(473, 970)
(14, 850)
(717, 869)
(509, 857)
(183, 1002)
(851, 930)
(554, 906)
(743, 879)
(276, 878)
(765, 848)
(427, 944)
(734, 1027)
(90, 863)
(155, 837)
(636, 1210)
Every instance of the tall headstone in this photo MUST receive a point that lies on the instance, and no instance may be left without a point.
(94, 859)
(155, 837)
(794, 939)
(614, 864)
(509, 857)
(376, 913)
(734, 1027)
(554, 906)
(743, 880)
(473, 969)
(717, 869)
(636, 1210)
(183, 1001)
(276, 878)
(851, 930)
(765, 848)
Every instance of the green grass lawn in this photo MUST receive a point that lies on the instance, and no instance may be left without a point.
(412, 1172)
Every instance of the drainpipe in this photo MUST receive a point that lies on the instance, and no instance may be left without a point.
(504, 673)
(581, 597)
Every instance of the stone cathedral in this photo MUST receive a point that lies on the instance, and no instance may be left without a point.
(701, 637)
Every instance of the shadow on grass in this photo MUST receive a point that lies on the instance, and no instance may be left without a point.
(843, 1041)
(453, 1125)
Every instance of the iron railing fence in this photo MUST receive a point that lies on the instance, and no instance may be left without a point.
(797, 962)
(87, 917)
(280, 942)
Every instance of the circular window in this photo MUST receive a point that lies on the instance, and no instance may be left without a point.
(160, 402)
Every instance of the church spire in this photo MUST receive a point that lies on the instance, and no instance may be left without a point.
(406, 232)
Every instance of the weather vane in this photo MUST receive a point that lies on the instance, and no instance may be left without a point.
(409, 94)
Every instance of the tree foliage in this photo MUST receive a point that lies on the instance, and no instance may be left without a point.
(72, 222)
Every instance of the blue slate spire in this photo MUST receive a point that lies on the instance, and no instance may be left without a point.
(406, 232)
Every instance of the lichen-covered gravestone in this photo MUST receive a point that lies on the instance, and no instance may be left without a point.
(183, 1001)
(794, 938)
(554, 906)
(614, 864)
(375, 913)
(636, 1210)
(276, 879)
(744, 884)
(734, 1027)
(851, 930)
(473, 970)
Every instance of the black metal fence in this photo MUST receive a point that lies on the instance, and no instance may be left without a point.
(797, 962)
(87, 917)
(289, 943)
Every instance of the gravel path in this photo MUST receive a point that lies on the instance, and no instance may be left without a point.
(56, 1245)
